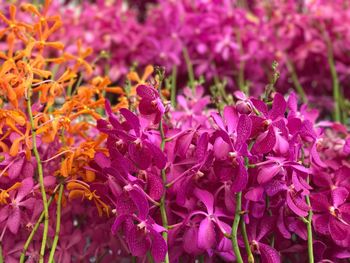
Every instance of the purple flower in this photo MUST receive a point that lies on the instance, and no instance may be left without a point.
(273, 125)
(151, 104)
(257, 231)
(230, 147)
(207, 234)
(142, 234)
(18, 196)
(332, 215)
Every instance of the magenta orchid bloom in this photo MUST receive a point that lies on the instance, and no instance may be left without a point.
(230, 147)
(257, 232)
(18, 199)
(207, 233)
(273, 126)
(332, 215)
(151, 104)
(143, 236)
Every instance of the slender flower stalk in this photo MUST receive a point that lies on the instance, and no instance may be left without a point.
(58, 224)
(309, 232)
(335, 80)
(162, 200)
(308, 222)
(189, 68)
(173, 86)
(235, 228)
(35, 228)
(243, 226)
(246, 242)
(41, 177)
(296, 81)
(70, 91)
(1, 257)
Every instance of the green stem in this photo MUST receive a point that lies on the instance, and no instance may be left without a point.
(77, 84)
(296, 82)
(162, 200)
(310, 248)
(58, 224)
(1, 257)
(41, 178)
(54, 70)
(309, 234)
(246, 242)
(35, 228)
(335, 80)
(189, 68)
(173, 87)
(235, 228)
(243, 226)
(308, 222)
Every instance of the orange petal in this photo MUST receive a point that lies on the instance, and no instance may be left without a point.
(76, 194)
(15, 146)
(90, 176)
(76, 185)
(148, 72)
(133, 76)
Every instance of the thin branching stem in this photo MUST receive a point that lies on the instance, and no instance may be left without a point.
(296, 81)
(310, 248)
(173, 87)
(246, 242)
(162, 200)
(189, 68)
(1, 257)
(58, 224)
(162, 206)
(41, 178)
(235, 225)
(308, 222)
(336, 88)
(35, 228)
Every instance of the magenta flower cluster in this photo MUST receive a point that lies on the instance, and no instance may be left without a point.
(149, 172)
(284, 167)
(235, 41)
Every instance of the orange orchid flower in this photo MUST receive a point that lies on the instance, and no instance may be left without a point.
(81, 190)
(51, 89)
(43, 36)
(43, 14)
(80, 58)
(13, 26)
(76, 159)
(11, 57)
(26, 140)
(11, 118)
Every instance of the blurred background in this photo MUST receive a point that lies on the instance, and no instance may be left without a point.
(231, 42)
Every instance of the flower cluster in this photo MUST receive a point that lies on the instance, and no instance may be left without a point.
(94, 172)
(231, 41)
(243, 183)
(48, 138)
